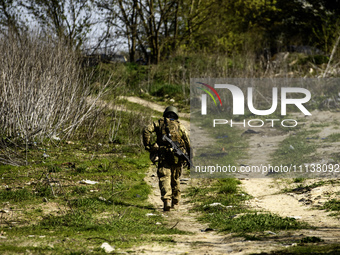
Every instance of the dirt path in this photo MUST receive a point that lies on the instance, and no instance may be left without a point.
(267, 195)
(267, 192)
(152, 105)
(200, 242)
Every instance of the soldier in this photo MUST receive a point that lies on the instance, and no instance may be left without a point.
(169, 164)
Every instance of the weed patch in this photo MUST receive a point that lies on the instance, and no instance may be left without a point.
(221, 203)
(333, 138)
(254, 222)
(16, 195)
(303, 249)
(295, 150)
(311, 239)
(305, 188)
(332, 205)
(225, 148)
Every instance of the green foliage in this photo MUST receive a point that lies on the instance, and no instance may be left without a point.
(80, 190)
(217, 27)
(114, 209)
(14, 249)
(314, 125)
(81, 168)
(52, 168)
(135, 75)
(303, 59)
(44, 190)
(165, 89)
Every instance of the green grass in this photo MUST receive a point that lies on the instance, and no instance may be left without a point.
(299, 180)
(115, 211)
(16, 195)
(303, 188)
(232, 216)
(255, 222)
(166, 90)
(333, 138)
(295, 149)
(332, 205)
(304, 249)
(78, 218)
(318, 125)
(226, 146)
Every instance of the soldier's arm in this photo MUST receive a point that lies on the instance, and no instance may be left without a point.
(185, 137)
(147, 133)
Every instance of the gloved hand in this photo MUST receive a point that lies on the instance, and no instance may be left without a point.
(186, 164)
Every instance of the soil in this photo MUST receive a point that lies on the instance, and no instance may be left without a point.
(267, 196)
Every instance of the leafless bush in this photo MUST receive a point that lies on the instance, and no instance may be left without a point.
(43, 91)
(136, 121)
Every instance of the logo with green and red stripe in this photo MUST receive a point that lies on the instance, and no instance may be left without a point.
(209, 93)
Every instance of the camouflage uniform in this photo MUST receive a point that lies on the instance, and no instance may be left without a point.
(169, 165)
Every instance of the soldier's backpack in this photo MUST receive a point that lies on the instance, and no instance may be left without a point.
(171, 129)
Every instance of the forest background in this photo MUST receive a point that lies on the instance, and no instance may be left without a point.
(172, 41)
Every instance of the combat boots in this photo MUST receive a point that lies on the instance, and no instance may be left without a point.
(166, 207)
(175, 204)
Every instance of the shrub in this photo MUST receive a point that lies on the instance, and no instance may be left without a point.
(43, 91)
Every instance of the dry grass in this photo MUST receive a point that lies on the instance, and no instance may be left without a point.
(43, 93)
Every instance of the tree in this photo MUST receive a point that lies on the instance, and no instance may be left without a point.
(225, 26)
(151, 25)
(69, 20)
(157, 18)
(123, 17)
(326, 25)
(9, 17)
(309, 22)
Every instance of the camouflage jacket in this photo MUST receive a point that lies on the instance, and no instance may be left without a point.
(177, 130)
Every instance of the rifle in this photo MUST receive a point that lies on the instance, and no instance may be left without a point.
(177, 150)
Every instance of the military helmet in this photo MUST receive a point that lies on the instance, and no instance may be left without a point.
(171, 109)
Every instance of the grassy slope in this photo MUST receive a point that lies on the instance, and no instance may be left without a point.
(81, 217)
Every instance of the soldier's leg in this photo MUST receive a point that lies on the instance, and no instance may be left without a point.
(164, 176)
(175, 185)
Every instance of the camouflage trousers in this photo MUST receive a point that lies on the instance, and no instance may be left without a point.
(169, 183)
